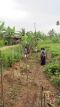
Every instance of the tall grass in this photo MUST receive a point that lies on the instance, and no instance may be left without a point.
(53, 48)
(11, 55)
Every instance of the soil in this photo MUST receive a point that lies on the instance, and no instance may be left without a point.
(25, 84)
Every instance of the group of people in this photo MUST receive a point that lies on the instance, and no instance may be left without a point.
(42, 54)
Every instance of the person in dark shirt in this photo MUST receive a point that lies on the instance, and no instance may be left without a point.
(43, 56)
(25, 51)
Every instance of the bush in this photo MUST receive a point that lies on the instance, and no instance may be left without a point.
(52, 69)
(55, 80)
(55, 39)
(58, 100)
(53, 72)
(1, 43)
(54, 54)
(10, 55)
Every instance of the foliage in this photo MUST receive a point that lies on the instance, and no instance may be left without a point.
(51, 33)
(53, 68)
(2, 29)
(29, 33)
(10, 32)
(52, 71)
(11, 55)
(58, 100)
(26, 40)
(2, 42)
(56, 39)
(23, 32)
(55, 80)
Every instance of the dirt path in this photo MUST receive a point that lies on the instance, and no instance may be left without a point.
(22, 88)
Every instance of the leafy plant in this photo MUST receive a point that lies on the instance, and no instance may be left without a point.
(55, 80)
(2, 43)
(58, 100)
(52, 68)
(11, 55)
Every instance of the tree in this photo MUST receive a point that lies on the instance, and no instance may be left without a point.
(29, 33)
(57, 23)
(23, 32)
(10, 32)
(51, 33)
(2, 29)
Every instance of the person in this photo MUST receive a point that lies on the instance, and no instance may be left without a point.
(43, 56)
(25, 51)
(28, 50)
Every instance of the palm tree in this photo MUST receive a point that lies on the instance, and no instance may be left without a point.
(23, 32)
(57, 23)
(51, 33)
(10, 32)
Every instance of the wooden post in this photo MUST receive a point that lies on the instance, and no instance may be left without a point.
(20, 56)
(27, 80)
(44, 100)
(12, 53)
(41, 96)
(1, 70)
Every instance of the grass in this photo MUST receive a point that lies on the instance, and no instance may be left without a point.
(10, 55)
(2, 43)
(53, 48)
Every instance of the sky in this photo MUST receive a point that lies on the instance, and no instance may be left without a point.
(27, 13)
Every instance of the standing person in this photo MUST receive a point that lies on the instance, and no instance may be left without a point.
(28, 50)
(25, 51)
(43, 56)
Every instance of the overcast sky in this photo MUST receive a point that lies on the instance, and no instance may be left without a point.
(24, 13)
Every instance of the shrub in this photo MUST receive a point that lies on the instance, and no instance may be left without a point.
(1, 42)
(54, 54)
(53, 72)
(55, 80)
(58, 100)
(10, 55)
(52, 68)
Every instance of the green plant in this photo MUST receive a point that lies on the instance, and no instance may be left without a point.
(1, 42)
(53, 72)
(52, 68)
(55, 80)
(11, 55)
(58, 100)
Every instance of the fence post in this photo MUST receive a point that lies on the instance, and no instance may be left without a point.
(44, 100)
(1, 70)
(41, 96)
(27, 81)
